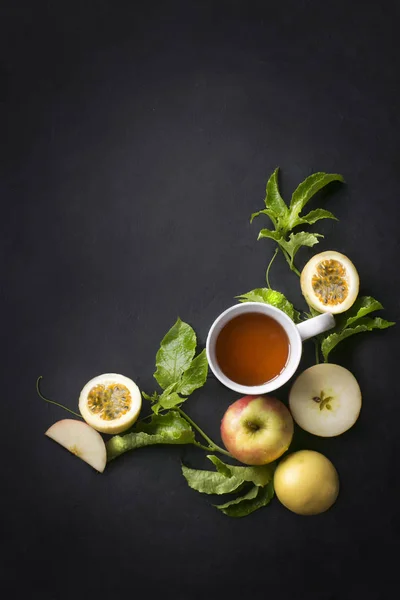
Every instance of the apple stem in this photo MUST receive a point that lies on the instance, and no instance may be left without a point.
(212, 446)
(52, 401)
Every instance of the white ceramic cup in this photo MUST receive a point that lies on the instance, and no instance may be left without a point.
(296, 335)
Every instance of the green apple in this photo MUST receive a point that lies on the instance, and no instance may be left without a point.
(257, 429)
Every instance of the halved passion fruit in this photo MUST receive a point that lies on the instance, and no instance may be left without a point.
(110, 403)
(330, 282)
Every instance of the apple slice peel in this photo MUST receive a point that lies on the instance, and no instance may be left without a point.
(80, 439)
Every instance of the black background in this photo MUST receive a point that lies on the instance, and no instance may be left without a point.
(137, 140)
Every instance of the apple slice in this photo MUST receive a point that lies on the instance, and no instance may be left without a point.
(325, 400)
(80, 439)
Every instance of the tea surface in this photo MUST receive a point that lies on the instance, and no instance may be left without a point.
(252, 349)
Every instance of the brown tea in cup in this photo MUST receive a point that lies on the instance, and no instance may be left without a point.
(252, 349)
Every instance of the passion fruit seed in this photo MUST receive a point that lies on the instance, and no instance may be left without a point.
(329, 282)
(109, 402)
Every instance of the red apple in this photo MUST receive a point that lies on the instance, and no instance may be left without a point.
(257, 429)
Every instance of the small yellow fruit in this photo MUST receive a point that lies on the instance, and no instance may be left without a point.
(306, 482)
(110, 403)
(329, 282)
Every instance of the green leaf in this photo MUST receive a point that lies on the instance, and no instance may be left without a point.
(195, 376)
(156, 407)
(259, 475)
(273, 298)
(152, 398)
(312, 217)
(177, 372)
(219, 465)
(248, 503)
(170, 426)
(168, 401)
(285, 219)
(265, 211)
(273, 200)
(161, 429)
(364, 324)
(252, 493)
(228, 478)
(310, 186)
(175, 354)
(297, 240)
(211, 482)
(171, 400)
(361, 307)
(375, 323)
(267, 233)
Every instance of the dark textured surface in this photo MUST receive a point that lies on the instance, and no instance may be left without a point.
(136, 140)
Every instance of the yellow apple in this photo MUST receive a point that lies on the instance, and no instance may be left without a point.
(306, 482)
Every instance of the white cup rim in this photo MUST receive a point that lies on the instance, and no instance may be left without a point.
(295, 347)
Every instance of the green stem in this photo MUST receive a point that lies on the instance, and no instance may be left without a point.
(295, 270)
(206, 448)
(269, 266)
(290, 262)
(160, 412)
(52, 401)
(316, 351)
(147, 417)
(212, 446)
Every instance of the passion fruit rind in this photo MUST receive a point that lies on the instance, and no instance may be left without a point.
(329, 282)
(110, 403)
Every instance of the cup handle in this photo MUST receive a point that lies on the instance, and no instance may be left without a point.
(315, 326)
